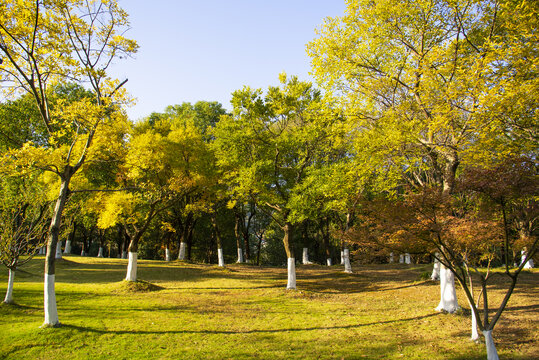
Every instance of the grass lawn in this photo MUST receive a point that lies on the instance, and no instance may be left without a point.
(192, 311)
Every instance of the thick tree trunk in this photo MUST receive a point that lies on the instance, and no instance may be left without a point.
(305, 258)
(291, 263)
(100, 252)
(407, 259)
(9, 293)
(58, 255)
(167, 254)
(475, 333)
(221, 257)
(448, 293)
(492, 354)
(132, 267)
(240, 255)
(70, 238)
(391, 258)
(181, 254)
(524, 257)
(51, 311)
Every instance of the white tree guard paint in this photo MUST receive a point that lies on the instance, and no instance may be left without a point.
(124, 255)
(347, 266)
(240, 256)
(181, 254)
(51, 312)
(475, 333)
(448, 293)
(436, 269)
(342, 257)
(9, 293)
(83, 253)
(291, 285)
(58, 254)
(132, 267)
(407, 259)
(67, 249)
(167, 254)
(305, 258)
(529, 263)
(100, 252)
(42, 250)
(391, 258)
(221, 257)
(328, 261)
(492, 354)
(401, 259)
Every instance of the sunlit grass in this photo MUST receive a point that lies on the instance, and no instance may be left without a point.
(190, 311)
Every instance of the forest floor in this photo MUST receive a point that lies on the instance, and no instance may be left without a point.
(193, 311)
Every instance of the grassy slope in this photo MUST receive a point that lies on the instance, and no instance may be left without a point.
(244, 312)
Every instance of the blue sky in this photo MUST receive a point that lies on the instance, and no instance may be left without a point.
(194, 50)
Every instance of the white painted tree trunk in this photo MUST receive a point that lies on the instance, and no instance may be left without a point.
(42, 250)
(291, 285)
(240, 256)
(529, 262)
(492, 354)
(67, 249)
(475, 333)
(51, 312)
(181, 254)
(221, 257)
(328, 261)
(347, 266)
(58, 250)
(342, 257)
(100, 252)
(83, 253)
(167, 254)
(305, 258)
(407, 259)
(401, 259)
(9, 293)
(391, 258)
(132, 267)
(448, 293)
(124, 255)
(435, 270)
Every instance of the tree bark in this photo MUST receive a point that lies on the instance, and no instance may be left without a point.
(51, 311)
(9, 293)
(448, 293)
(492, 354)
(291, 263)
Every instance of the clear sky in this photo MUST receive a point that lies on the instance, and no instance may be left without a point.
(194, 50)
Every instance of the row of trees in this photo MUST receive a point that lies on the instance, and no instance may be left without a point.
(424, 140)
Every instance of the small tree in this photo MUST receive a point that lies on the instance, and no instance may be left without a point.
(23, 217)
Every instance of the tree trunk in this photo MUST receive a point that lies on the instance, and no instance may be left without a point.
(291, 264)
(238, 234)
(51, 311)
(220, 254)
(9, 293)
(475, 333)
(436, 269)
(133, 257)
(100, 252)
(70, 239)
(448, 293)
(181, 254)
(58, 255)
(305, 257)
(492, 354)
(391, 258)
(347, 265)
(407, 259)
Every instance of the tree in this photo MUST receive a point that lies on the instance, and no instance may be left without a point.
(267, 145)
(23, 214)
(430, 86)
(43, 43)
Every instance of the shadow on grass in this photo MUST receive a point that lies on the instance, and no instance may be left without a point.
(232, 332)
